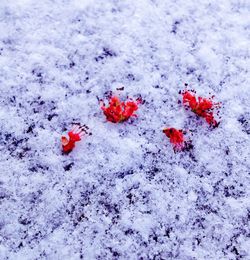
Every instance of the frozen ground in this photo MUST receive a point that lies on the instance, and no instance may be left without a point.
(123, 193)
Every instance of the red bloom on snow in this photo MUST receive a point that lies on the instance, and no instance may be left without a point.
(176, 137)
(202, 107)
(119, 111)
(74, 135)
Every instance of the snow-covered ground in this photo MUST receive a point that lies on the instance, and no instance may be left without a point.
(123, 193)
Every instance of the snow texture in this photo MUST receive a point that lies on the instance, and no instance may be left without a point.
(123, 193)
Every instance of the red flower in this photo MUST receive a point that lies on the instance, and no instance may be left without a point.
(203, 107)
(68, 143)
(176, 137)
(119, 111)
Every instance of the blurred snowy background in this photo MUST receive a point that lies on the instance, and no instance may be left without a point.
(123, 193)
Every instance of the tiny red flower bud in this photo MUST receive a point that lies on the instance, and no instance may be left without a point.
(74, 135)
(202, 107)
(119, 111)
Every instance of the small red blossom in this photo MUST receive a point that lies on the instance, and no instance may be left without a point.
(119, 111)
(74, 135)
(176, 137)
(203, 107)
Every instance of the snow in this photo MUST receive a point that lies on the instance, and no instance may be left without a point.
(123, 193)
